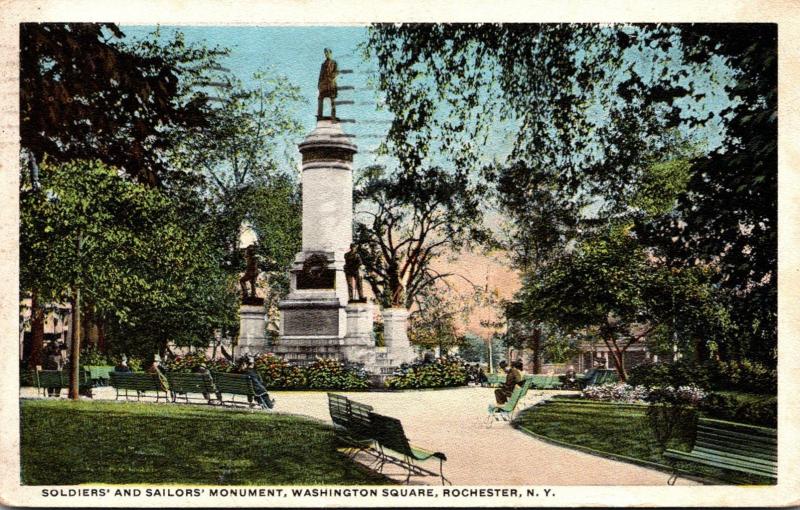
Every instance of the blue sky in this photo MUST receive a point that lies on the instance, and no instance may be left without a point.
(297, 52)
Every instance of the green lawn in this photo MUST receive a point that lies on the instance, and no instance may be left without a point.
(616, 429)
(66, 442)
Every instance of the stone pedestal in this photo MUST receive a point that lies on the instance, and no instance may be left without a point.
(314, 317)
(359, 344)
(252, 330)
(395, 335)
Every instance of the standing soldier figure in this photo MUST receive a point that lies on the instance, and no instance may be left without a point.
(352, 264)
(327, 83)
(250, 272)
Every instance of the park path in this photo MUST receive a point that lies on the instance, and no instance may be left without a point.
(453, 421)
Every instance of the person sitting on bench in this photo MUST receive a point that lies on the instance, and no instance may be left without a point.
(513, 378)
(258, 385)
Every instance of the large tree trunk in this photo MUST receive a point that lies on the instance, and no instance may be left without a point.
(37, 332)
(75, 352)
(536, 345)
(617, 355)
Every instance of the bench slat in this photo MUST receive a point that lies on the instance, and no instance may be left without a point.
(715, 463)
(735, 456)
(768, 452)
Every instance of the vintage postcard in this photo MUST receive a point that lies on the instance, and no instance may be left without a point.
(283, 254)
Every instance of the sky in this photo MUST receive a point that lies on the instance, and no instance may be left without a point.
(297, 53)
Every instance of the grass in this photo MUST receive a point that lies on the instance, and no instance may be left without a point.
(64, 442)
(618, 430)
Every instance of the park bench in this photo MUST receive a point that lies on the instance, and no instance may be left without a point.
(545, 382)
(597, 376)
(186, 383)
(351, 423)
(234, 385)
(732, 446)
(141, 383)
(98, 374)
(59, 379)
(505, 411)
(389, 434)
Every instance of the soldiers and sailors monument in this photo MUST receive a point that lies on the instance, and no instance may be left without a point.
(325, 313)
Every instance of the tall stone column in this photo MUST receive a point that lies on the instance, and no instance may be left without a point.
(313, 315)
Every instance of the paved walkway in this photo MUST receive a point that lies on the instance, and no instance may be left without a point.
(453, 421)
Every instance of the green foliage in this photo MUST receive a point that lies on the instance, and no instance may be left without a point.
(276, 372)
(91, 355)
(756, 410)
(146, 264)
(86, 95)
(328, 373)
(441, 372)
(744, 376)
(433, 323)
(186, 363)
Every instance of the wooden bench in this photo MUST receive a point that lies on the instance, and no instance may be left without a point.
(545, 382)
(58, 379)
(506, 411)
(99, 374)
(186, 383)
(141, 383)
(389, 434)
(351, 422)
(234, 385)
(596, 377)
(732, 446)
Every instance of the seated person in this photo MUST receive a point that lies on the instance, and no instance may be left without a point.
(53, 361)
(122, 366)
(513, 378)
(155, 368)
(258, 385)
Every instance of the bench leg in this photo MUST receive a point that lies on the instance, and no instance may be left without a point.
(673, 478)
(441, 473)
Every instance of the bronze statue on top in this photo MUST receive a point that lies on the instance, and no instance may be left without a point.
(327, 83)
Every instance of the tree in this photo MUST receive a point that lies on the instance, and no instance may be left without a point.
(85, 95)
(611, 287)
(141, 263)
(433, 323)
(414, 217)
(587, 102)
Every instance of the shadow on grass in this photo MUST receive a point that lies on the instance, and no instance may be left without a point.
(65, 442)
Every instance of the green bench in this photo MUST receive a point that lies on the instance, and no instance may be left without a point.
(506, 411)
(234, 385)
(45, 380)
(351, 423)
(732, 446)
(389, 434)
(98, 374)
(191, 383)
(141, 383)
(495, 379)
(545, 382)
(597, 377)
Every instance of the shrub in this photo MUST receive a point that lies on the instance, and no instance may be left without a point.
(616, 392)
(91, 355)
(445, 371)
(186, 363)
(740, 375)
(278, 373)
(329, 373)
(742, 408)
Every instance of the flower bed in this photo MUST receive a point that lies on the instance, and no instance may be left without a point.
(442, 372)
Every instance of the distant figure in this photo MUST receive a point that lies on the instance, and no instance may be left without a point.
(53, 361)
(513, 378)
(327, 83)
(250, 272)
(482, 379)
(202, 369)
(122, 366)
(155, 368)
(352, 271)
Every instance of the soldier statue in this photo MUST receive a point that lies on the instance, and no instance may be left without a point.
(327, 83)
(250, 272)
(352, 266)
